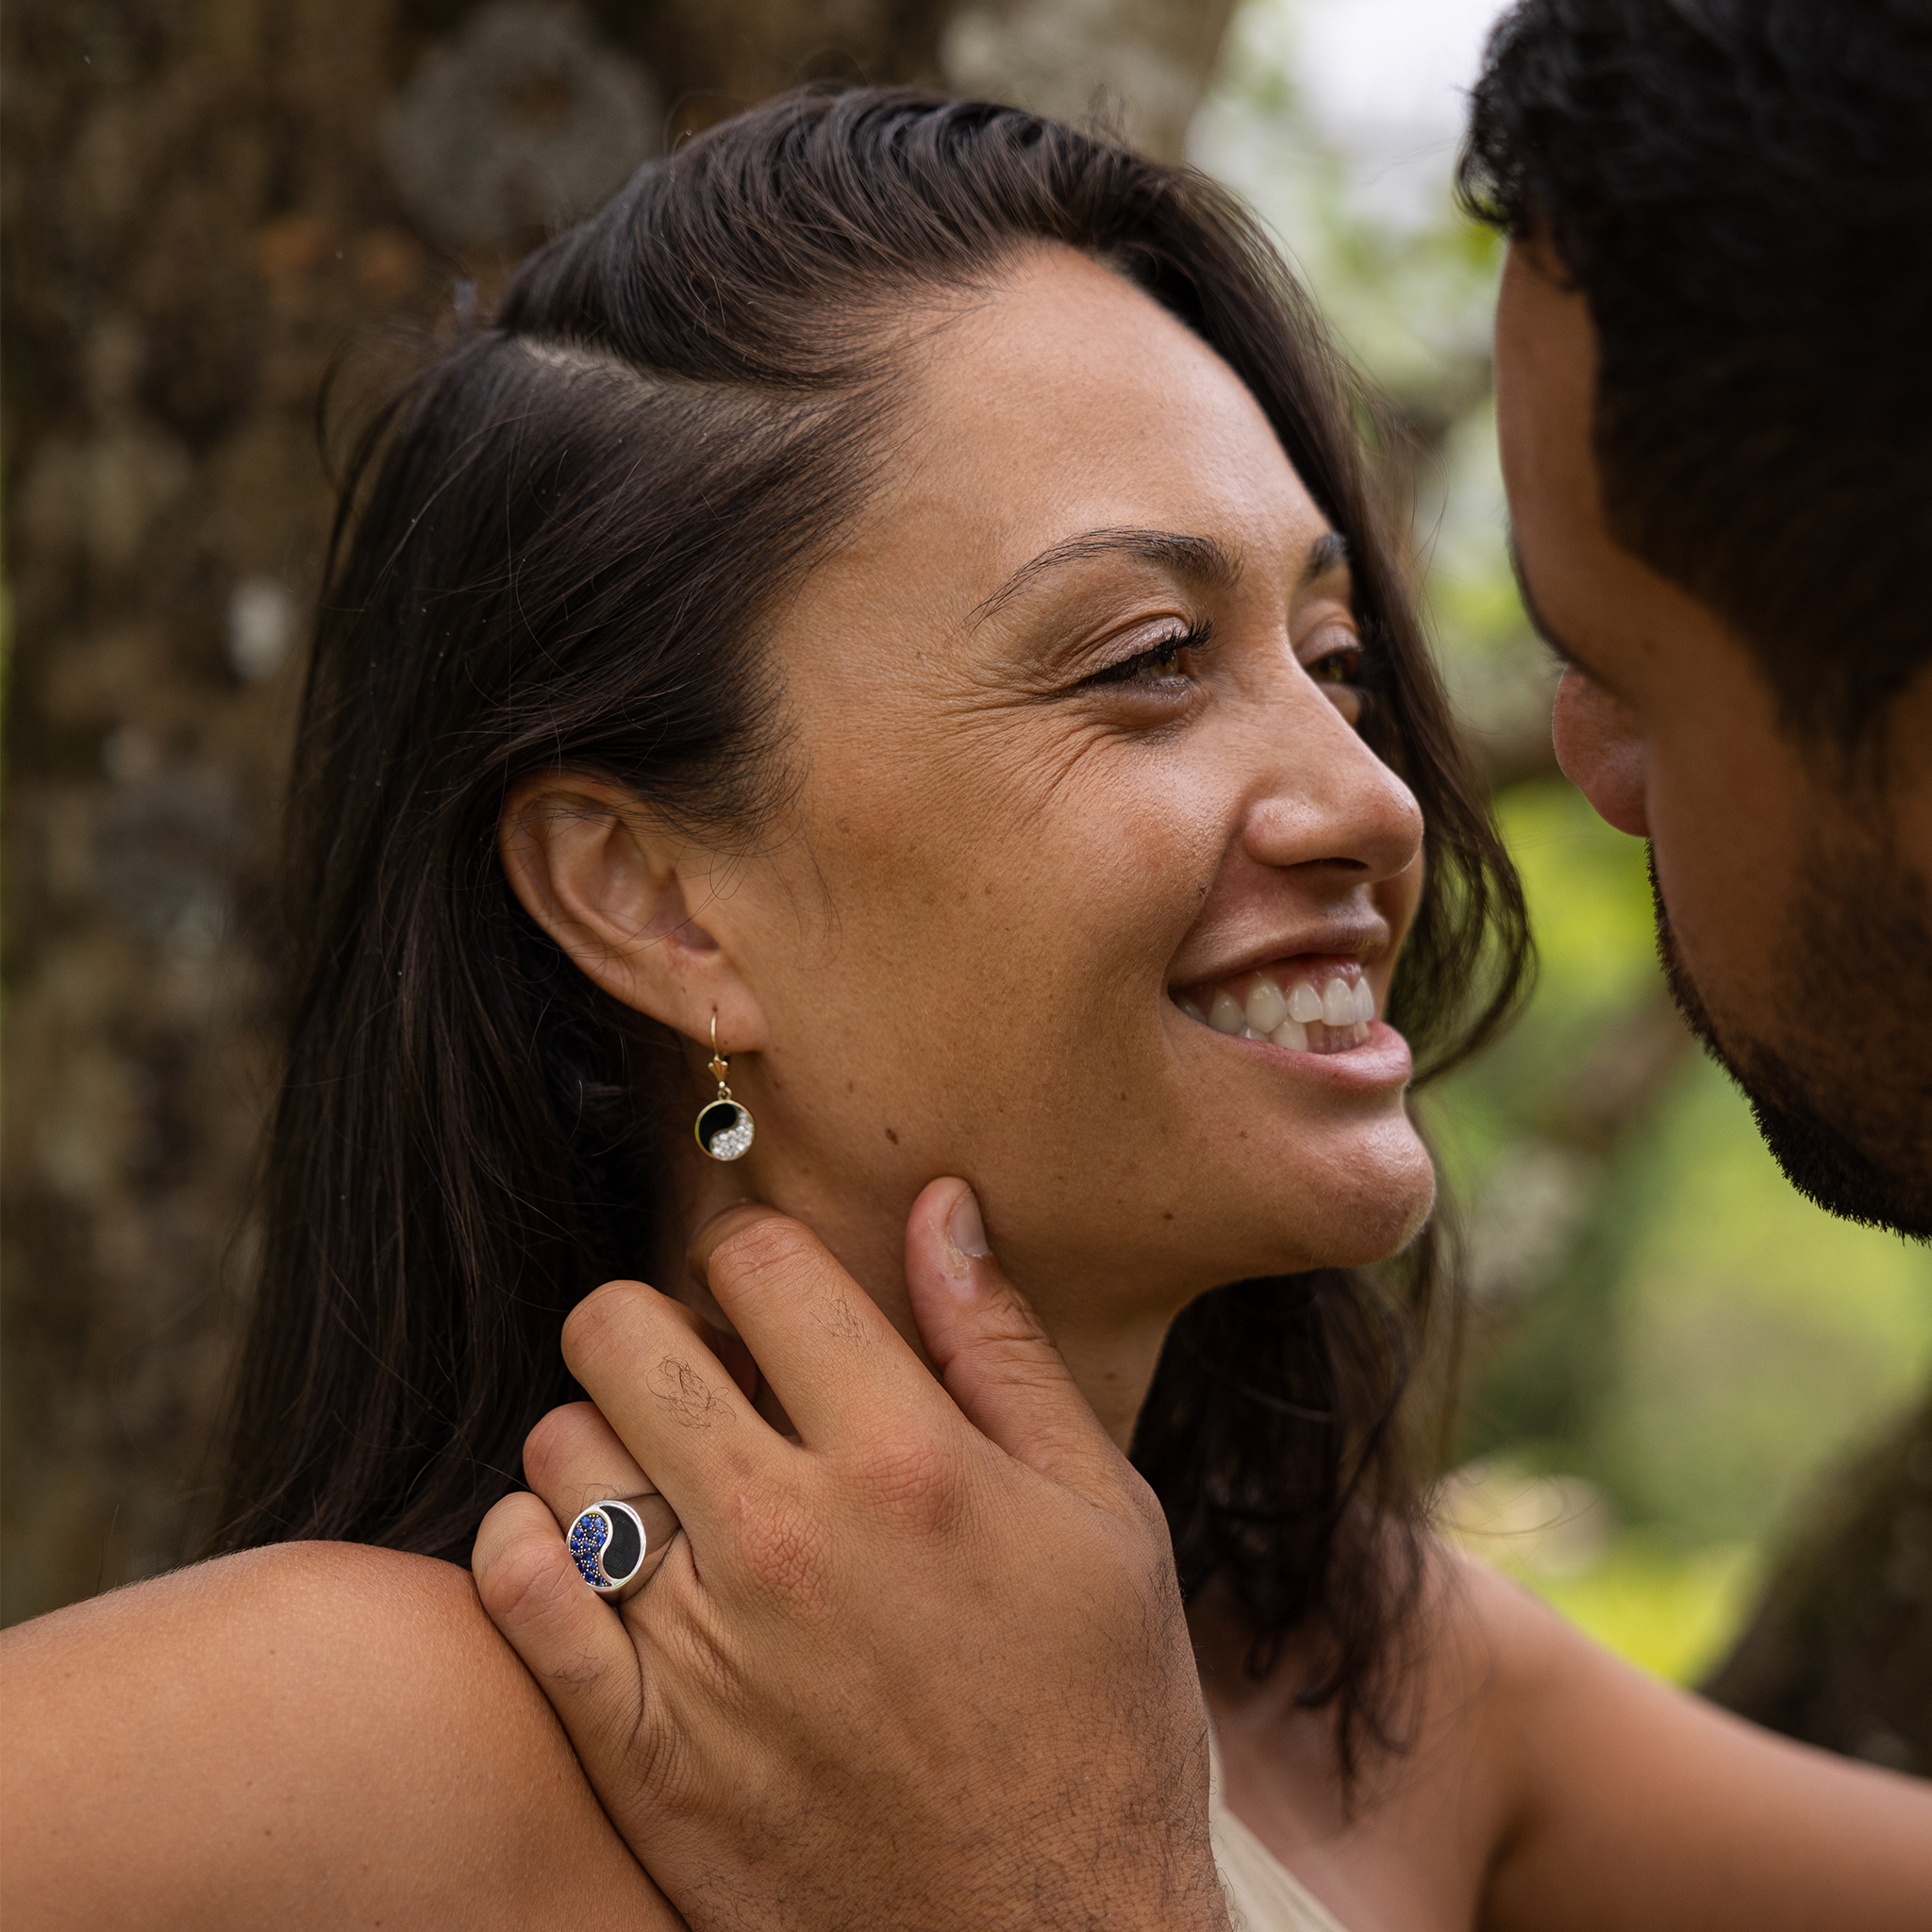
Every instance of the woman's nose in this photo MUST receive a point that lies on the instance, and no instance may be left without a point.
(1335, 804)
(1600, 750)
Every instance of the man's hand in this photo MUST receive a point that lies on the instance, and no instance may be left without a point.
(924, 1667)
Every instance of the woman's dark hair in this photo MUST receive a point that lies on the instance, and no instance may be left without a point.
(1743, 191)
(557, 548)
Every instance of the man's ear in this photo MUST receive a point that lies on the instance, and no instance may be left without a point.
(615, 888)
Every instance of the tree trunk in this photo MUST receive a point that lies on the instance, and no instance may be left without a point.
(203, 203)
(1839, 1651)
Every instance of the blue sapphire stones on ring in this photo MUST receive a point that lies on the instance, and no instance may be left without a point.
(608, 1543)
(588, 1536)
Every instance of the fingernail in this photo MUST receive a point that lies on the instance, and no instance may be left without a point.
(967, 1233)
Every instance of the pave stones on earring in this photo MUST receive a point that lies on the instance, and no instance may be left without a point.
(725, 1130)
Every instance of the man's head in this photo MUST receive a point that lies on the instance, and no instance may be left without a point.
(1714, 383)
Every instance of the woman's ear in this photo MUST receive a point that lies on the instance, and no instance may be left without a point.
(615, 889)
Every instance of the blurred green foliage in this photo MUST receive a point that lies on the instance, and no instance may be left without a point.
(1658, 1319)
(1760, 1336)
(1671, 1611)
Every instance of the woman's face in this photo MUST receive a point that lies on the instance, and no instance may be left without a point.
(1071, 724)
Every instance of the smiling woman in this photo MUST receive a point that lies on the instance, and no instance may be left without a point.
(948, 646)
(892, 603)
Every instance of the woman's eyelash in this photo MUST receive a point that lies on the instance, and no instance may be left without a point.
(1168, 650)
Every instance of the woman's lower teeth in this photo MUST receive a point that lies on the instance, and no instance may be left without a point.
(1331, 1019)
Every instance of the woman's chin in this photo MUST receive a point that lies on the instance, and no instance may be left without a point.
(1362, 1242)
(1351, 1215)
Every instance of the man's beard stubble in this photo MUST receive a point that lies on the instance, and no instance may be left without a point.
(1845, 1106)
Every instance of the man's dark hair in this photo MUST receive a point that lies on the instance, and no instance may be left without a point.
(1742, 190)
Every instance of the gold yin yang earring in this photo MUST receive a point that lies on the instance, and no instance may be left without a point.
(723, 1128)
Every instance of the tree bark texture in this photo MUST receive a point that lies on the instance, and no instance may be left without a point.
(1840, 1650)
(205, 201)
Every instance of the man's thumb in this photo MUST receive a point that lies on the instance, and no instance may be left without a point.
(997, 1360)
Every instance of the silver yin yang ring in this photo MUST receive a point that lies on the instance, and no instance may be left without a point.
(618, 1545)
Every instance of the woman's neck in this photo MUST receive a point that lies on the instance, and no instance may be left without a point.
(1111, 1352)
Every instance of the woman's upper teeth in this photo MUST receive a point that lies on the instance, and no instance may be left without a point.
(1321, 1010)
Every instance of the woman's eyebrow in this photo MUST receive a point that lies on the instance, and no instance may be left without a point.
(1328, 552)
(1201, 559)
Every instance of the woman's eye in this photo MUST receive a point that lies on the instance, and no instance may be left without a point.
(1158, 664)
(1342, 665)
(1338, 672)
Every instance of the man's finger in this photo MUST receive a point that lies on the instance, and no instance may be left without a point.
(573, 1458)
(644, 1360)
(821, 1343)
(568, 1637)
(996, 1359)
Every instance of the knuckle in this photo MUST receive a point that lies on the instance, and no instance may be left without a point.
(549, 1447)
(769, 1248)
(601, 1321)
(1147, 1509)
(1016, 1361)
(907, 1483)
(523, 1589)
(784, 1545)
(1011, 1319)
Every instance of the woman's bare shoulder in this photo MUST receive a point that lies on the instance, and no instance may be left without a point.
(312, 1734)
(1636, 1802)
